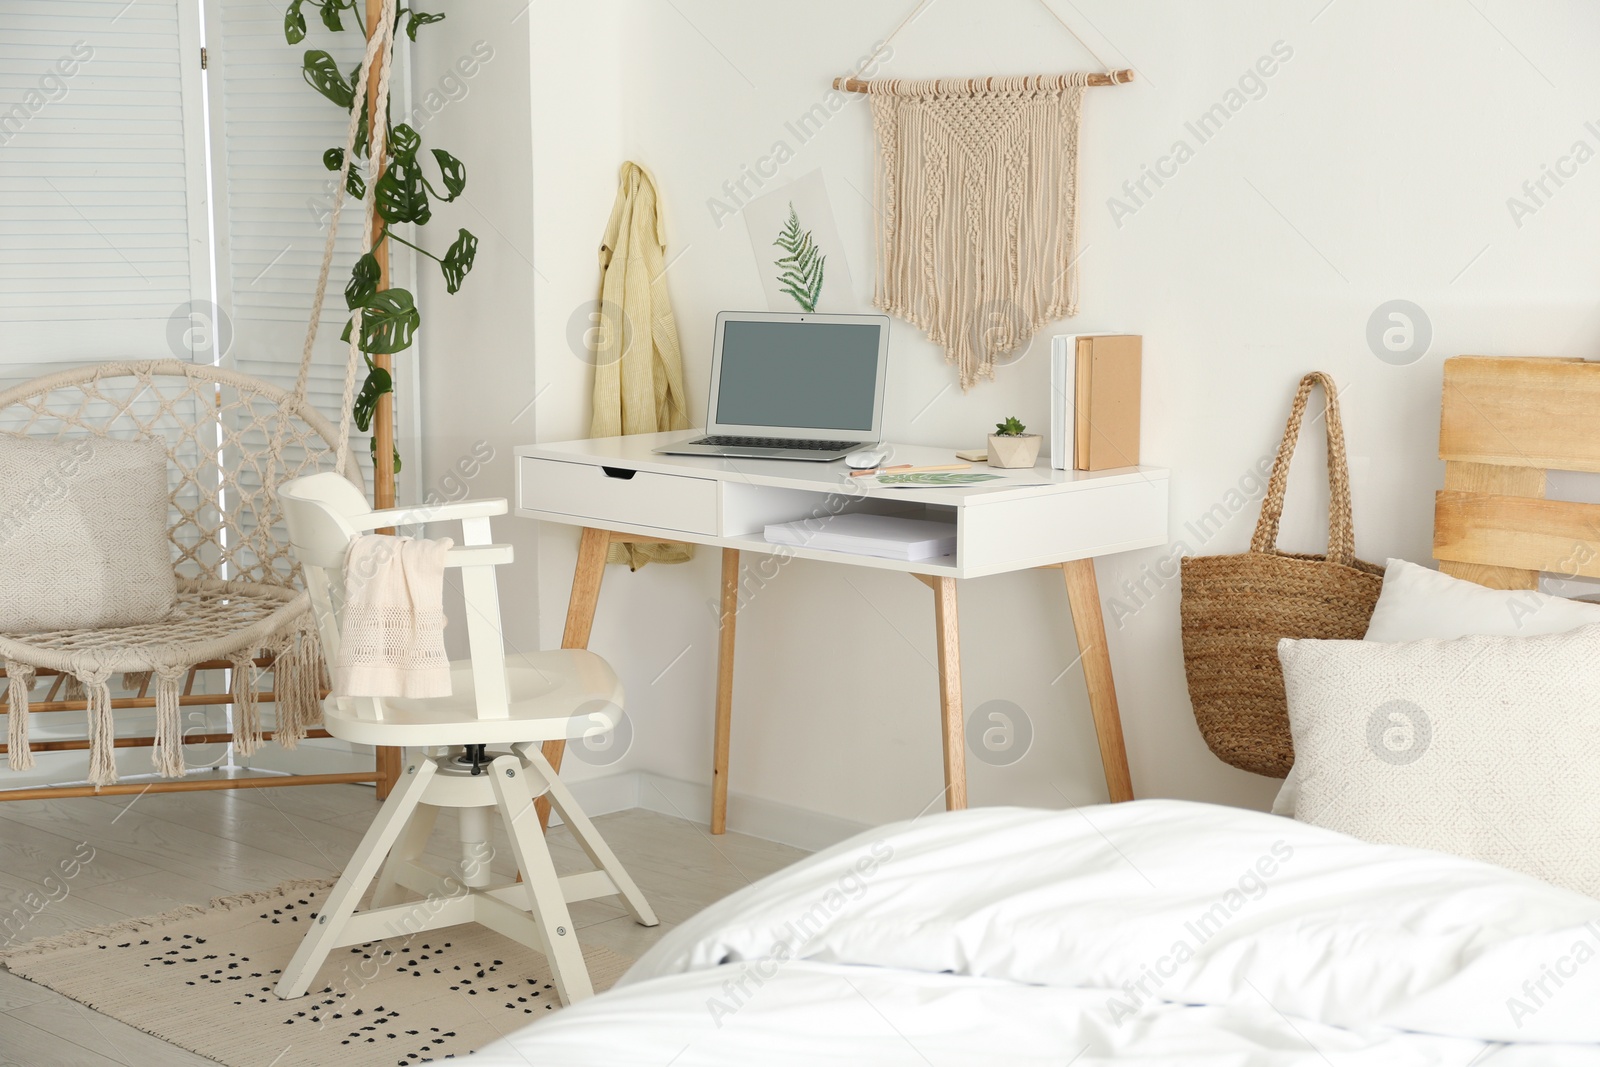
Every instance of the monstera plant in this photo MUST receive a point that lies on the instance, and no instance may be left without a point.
(405, 193)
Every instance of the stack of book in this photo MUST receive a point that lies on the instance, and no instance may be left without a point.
(1094, 402)
(888, 536)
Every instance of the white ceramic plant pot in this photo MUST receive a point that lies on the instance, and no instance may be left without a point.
(1021, 450)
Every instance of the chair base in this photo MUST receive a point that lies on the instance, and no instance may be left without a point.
(532, 912)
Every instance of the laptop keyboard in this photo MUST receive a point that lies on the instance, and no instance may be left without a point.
(727, 441)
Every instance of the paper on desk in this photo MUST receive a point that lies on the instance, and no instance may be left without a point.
(946, 479)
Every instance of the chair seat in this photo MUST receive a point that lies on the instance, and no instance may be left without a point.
(211, 620)
(560, 694)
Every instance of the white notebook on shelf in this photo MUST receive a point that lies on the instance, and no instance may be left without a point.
(886, 536)
(1063, 386)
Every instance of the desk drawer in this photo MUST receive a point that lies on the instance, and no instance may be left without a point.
(592, 497)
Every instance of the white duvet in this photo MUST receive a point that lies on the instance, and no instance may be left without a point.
(1156, 932)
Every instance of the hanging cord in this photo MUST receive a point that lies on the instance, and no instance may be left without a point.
(925, 4)
(908, 20)
(1076, 36)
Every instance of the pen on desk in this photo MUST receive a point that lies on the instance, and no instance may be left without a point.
(906, 468)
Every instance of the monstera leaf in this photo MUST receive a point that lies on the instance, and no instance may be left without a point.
(294, 23)
(404, 142)
(323, 75)
(420, 18)
(401, 196)
(453, 172)
(378, 382)
(389, 322)
(458, 260)
(363, 285)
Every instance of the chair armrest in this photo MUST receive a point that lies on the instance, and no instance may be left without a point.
(413, 516)
(478, 556)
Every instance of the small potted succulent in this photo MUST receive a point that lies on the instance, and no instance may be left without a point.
(1011, 445)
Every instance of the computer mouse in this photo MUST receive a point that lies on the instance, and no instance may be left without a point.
(865, 459)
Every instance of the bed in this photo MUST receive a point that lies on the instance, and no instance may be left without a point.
(1158, 931)
(1162, 931)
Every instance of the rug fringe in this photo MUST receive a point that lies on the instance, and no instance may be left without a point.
(94, 934)
(80, 938)
(294, 885)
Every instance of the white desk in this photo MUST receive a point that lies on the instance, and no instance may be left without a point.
(618, 492)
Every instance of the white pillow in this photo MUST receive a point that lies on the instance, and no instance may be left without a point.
(1484, 747)
(1418, 602)
(83, 534)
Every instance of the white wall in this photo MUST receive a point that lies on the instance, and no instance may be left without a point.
(469, 77)
(1374, 164)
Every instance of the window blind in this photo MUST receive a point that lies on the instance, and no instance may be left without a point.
(102, 184)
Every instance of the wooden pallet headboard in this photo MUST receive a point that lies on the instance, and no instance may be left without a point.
(1505, 423)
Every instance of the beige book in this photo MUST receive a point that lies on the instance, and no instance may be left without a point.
(1106, 415)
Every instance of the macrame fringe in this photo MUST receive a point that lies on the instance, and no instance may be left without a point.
(300, 676)
(297, 672)
(977, 196)
(19, 684)
(246, 708)
(102, 733)
(167, 756)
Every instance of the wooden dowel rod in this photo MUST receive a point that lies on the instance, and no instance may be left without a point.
(190, 701)
(1114, 77)
(146, 742)
(182, 785)
(208, 665)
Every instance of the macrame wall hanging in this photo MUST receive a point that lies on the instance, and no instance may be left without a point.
(977, 207)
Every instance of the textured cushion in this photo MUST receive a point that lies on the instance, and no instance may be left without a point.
(83, 534)
(1485, 747)
(1418, 602)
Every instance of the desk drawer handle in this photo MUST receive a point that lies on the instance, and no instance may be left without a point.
(624, 473)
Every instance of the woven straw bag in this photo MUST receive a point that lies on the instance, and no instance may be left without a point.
(1236, 608)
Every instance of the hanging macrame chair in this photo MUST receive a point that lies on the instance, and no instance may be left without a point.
(230, 440)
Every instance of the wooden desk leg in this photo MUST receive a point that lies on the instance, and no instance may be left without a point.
(1083, 594)
(727, 616)
(951, 720)
(586, 577)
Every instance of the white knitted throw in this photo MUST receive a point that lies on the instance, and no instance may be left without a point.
(392, 631)
(977, 198)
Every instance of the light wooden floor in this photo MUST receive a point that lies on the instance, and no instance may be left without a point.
(157, 852)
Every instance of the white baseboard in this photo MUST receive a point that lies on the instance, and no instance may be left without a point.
(756, 816)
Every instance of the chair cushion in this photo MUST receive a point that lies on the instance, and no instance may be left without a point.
(83, 534)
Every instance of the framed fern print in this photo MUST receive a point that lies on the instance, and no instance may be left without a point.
(797, 251)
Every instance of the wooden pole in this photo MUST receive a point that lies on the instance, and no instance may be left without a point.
(1115, 77)
(383, 417)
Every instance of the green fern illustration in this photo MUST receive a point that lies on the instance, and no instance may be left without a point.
(801, 270)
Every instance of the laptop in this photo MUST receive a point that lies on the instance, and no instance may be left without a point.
(793, 386)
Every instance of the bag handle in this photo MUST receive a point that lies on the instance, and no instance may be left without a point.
(1341, 528)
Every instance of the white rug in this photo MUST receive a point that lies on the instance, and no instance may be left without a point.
(202, 978)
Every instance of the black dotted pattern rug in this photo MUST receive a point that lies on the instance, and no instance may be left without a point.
(202, 978)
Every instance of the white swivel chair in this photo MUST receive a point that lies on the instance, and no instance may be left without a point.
(509, 708)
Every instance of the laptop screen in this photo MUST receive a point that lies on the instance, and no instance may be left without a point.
(818, 375)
